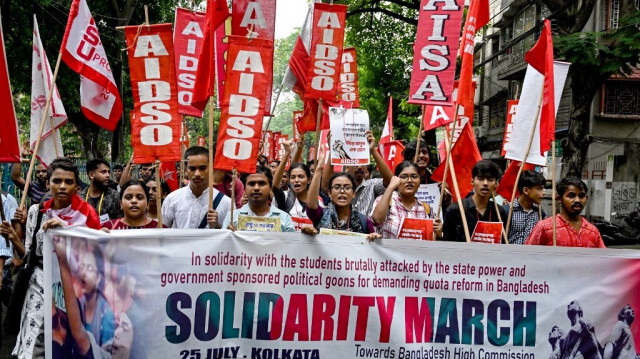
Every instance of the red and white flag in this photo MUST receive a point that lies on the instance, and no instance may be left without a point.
(9, 138)
(387, 131)
(78, 214)
(512, 107)
(541, 58)
(508, 180)
(243, 104)
(188, 38)
(348, 87)
(83, 52)
(477, 17)
(295, 77)
(157, 124)
(434, 52)
(217, 13)
(41, 77)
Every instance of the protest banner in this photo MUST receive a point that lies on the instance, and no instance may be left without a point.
(429, 194)
(434, 52)
(259, 224)
(416, 229)
(297, 115)
(156, 125)
(300, 223)
(9, 138)
(327, 38)
(512, 107)
(392, 153)
(280, 146)
(275, 143)
(277, 295)
(349, 144)
(243, 104)
(348, 87)
(487, 232)
(188, 39)
(267, 145)
(220, 50)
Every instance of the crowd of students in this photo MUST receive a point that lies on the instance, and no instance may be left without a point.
(307, 198)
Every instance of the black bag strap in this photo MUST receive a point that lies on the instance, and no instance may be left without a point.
(216, 202)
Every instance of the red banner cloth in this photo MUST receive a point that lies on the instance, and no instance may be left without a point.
(327, 38)
(83, 52)
(512, 107)
(217, 13)
(156, 124)
(9, 139)
(464, 155)
(477, 17)
(188, 38)
(169, 175)
(221, 47)
(267, 145)
(436, 115)
(259, 17)
(243, 104)
(508, 181)
(434, 52)
(392, 153)
(348, 89)
(416, 229)
(541, 58)
(487, 232)
(297, 115)
(275, 144)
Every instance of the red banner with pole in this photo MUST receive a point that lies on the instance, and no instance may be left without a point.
(297, 115)
(348, 89)
(434, 52)
(327, 39)
(188, 39)
(221, 46)
(512, 106)
(243, 104)
(9, 140)
(156, 124)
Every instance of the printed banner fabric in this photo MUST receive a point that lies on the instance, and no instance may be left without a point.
(267, 145)
(348, 89)
(83, 52)
(349, 144)
(327, 38)
(437, 115)
(284, 295)
(9, 139)
(512, 107)
(221, 46)
(434, 52)
(259, 17)
(156, 126)
(392, 153)
(243, 105)
(188, 39)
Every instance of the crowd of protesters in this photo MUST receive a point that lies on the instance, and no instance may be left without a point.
(307, 198)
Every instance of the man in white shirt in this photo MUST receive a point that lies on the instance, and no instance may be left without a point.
(188, 207)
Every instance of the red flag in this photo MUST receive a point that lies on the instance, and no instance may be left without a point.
(464, 155)
(9, 140)
(295, 78)
(170, 175)
(508, 181)
(275, 145)
(541, 58)
(392, 154)
(83, 52)
(188, 38)
(512, 106)
(267, 145)
(477, 17)
(217, 13)
(348, 89)
(157, 125)
(297, 115)
(327, 38)
(312, 153)
(387, 131)
(245, 93)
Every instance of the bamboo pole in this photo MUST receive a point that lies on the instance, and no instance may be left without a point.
(158, 194)
(446, 165)
(45, 113)
(457, 191)
(318, 119)
(210, 163)
(553, 191)
(233, 191)
(415, 157)
(504, 235)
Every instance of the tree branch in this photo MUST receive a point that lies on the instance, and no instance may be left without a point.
(386, 12)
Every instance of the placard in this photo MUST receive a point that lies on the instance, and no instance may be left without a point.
(349, 146)
(487, 232)
(258, 224)
(416, 229)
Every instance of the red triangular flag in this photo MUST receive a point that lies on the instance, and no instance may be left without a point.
(508, 181)
(169, 175)
(540, 57)
(465, 154)
(217, 13)
(392, 153)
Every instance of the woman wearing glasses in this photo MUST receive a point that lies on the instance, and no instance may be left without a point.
(339, 214)
(399, 201)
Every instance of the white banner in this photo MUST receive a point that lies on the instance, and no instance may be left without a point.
(430, 194)
(349, 144)
(214, 293)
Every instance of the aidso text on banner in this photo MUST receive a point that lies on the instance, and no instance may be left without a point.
(188, 39)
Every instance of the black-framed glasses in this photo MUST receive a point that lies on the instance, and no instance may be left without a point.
(345, 188)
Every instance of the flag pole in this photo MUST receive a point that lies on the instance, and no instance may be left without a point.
(210, 164)
(457, 190)
(415, 157)
(2, 217)
(233, 192)
(45, 113)
(158, 194)
(504, 235)
(524, 160)
(553, 190)
(318, 117)
(446, 165)
(53, 133)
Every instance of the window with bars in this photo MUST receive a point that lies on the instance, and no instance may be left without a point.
(622, 98)
(498, 112)
(614, 13)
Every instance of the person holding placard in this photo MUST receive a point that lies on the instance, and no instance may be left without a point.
(340, 214)
(572, 229)
(258, 214)
(399, 202)
(479, 210)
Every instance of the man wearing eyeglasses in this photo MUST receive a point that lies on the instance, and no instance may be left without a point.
(572, 230)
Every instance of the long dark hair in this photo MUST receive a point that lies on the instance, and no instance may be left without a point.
(301, 166)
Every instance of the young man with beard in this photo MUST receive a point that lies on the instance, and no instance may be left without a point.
(526, 207)
(37, 188)
(188, 207)
(572, 230)
(257, 188)
(99, 195)
(477, 207)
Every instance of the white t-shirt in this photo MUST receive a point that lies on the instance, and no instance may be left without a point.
(181, 209)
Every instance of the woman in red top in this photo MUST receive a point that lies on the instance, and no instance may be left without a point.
(133, 199)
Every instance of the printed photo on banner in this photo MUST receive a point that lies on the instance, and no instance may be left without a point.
(349, 144)
(429, 194)
(259, 224)
(416, 229)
